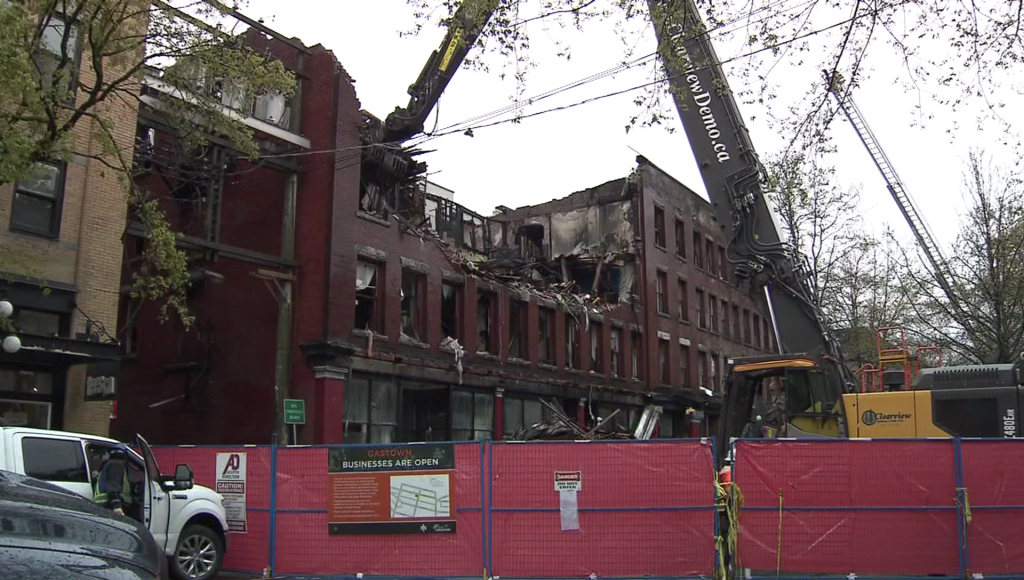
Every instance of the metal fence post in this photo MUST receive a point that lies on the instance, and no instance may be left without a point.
(961, 516)
(490, 507)
(272, 555)
(483, 512)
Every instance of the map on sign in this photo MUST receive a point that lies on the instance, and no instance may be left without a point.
(420, 496)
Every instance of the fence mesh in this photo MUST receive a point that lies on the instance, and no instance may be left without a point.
(994, 483)
(303, 545)
(643, 509)
(855, 506)
(249, 551)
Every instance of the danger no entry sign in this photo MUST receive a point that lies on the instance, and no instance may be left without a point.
(568, 481)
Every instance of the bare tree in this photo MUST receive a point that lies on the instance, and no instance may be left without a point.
(819, 218)
(985, 324)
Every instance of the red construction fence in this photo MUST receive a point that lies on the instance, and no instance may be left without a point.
(519, 510)
(925, 507)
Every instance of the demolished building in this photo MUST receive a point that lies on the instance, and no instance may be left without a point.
(332, 272)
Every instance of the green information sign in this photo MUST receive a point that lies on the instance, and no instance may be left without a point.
(294, 412)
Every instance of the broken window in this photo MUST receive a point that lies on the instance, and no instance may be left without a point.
(545, 331)
(702, 364)
(746, 326)
(757, 331)
(636, 356)
(713, 312)
(661, 287)
(680, 239)
(723, 264)
(451, 311)
(701, 322)
(663, 362)
(414, 310)
(736, 323)
(596, 347)
(684, 365)
(682, 299)
(369, 296)
(517, 317)
(371, 410)
(530, 239)
(486, 330)
(709, 255)
(659, 227)
(724, 311)
(472, 415)
(572, 341)
(522, 414)
(697, 262)
(616, 348)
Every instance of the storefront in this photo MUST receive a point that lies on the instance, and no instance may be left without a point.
(34, 379)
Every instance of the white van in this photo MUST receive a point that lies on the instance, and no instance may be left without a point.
(187, 520)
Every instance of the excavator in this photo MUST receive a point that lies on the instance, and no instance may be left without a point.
(818, 398)
(817, 387)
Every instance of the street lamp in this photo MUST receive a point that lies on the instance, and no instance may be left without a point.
(11, 343)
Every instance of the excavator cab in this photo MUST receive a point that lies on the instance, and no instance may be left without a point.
(782, 396)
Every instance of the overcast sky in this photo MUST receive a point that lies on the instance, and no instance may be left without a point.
(555, 154)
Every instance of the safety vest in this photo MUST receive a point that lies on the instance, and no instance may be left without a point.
(99, 491)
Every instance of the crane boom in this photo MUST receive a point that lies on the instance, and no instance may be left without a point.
(733, 177)
(899, 193)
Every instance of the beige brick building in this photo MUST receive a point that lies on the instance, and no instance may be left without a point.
(64, 225)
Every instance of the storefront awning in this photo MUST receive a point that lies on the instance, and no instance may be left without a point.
(61, 351)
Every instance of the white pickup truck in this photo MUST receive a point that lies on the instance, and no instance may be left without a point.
(187, 520)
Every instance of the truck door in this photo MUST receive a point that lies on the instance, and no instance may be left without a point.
(160, 500)
(58, 460)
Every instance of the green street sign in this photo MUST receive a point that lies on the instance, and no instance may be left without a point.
(294, 412)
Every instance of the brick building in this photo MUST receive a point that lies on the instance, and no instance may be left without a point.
(60, 229)
(331, 271)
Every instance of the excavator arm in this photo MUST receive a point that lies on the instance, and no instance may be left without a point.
(734, 178)
(466, 25)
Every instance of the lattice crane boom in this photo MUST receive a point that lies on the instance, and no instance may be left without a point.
(904, 201)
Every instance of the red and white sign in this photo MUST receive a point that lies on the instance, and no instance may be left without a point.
(568, 481)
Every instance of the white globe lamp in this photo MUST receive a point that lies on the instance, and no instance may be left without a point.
(11, 344)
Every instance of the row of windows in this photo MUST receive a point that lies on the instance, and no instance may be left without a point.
(713, 314)
(383, 410)
(370, 307)
(707, 255)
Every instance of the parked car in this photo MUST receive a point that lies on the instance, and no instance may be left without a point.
(187, 521)
(49, 532)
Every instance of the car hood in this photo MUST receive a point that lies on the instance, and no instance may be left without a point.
(201, 492)
(35, 515)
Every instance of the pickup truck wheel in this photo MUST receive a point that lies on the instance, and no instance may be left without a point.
(199, 554)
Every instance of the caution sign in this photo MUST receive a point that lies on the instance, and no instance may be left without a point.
(231, 476)
(568, 481)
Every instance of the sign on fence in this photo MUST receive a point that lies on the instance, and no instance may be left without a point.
(397, 489)
(568, 481)
(231, 476)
